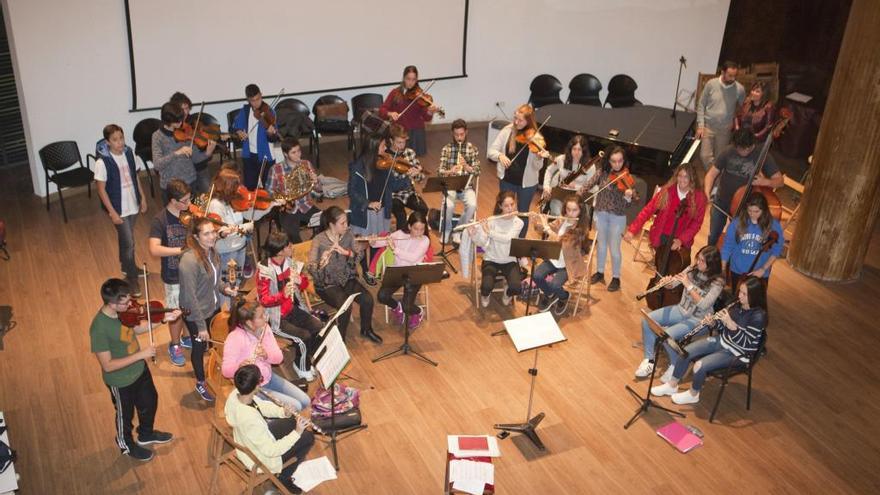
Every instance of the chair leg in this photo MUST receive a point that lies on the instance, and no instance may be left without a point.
(749, 393)
(317, 154)
(47, 193)
(718, 400)
(89, 186)
(63, 210)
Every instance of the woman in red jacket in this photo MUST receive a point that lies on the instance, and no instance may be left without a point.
(414, 119)
(682, 187)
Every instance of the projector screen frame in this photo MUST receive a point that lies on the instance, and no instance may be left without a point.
(134, 107)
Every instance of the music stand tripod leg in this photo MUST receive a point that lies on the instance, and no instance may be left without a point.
(646, 401)
(528, 427)
(443, 234)
(405, 348)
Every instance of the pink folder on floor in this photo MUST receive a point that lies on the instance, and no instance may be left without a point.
(680, 437)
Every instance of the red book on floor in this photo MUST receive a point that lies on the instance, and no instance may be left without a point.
(473, 443)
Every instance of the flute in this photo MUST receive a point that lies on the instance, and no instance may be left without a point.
(659, 286)
(373, 238)
(506, 215)
(706, 321)
(292, 412)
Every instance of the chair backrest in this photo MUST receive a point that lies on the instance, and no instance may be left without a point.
(230, 118)
(621, 91)
(545, 90)
(584, 90)
(206, 119)
(301, 252)
(259, 474)
(363, 102)
(143, 137)
(60, 155)
(327, 100)
(292, 104)
(641, 188)
(219, 384)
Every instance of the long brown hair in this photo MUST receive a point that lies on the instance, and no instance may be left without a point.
(585, 156)
(670, 188)
(242, 312)
(578, 233)
(226, 184)
(528, 114)
(407, 70)
(192, 242)
(500, 199)
(765, 221)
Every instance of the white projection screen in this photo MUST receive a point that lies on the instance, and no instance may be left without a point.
(212, 49)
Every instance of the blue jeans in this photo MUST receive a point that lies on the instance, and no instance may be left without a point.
(287, 392)
(717, 221)
(676, 324)
(239, 257)
(609, 232)
(469, 198)
(524, 196)
(554, 286)
(707, 355)
(125, 235)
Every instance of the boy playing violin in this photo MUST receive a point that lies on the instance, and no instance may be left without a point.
(171, 158)
(200, 158)
(405, 196)
(255, 126)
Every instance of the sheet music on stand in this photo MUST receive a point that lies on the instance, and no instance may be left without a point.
(342, 309)
(530, 332)
(331, 357)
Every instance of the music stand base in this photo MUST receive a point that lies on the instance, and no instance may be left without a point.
(646, 404)
(527, 429)
(338, 436)
(406, 350)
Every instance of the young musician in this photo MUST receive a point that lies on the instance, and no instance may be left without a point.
(251, 341)
(273, 443)
(232, 237)
(732, 169)
(298, 212)
(703, 284)
(681, 192)
(124, 371)
(757, 113)
(460, 157)
(570, 232)
(718, 103)
(200, 158)
(518, 166)
(369, 193)
(280, 287)
(255, 136)
(610, 215)
(577, 154)
(403, 193)
(745, 237)
(120, 191)
(742, 328)
(410, 245)
(416, 115)
(333, 264)
(495, 236)
(173, 160)
(167, 242)
(201, 289)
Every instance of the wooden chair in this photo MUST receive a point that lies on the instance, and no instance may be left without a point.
(581, 286)
(220, 386)
(301, 253)
(735, 369)
(476, 279)
(223, 452)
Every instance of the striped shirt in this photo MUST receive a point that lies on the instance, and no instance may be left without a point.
(750, 325)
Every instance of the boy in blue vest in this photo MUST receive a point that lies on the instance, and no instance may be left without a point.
(254, 138)
(120, 192)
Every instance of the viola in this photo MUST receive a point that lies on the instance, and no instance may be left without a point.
(400, 164)
(533, 139)
(137, 312)
(245, 200)
(265, 115)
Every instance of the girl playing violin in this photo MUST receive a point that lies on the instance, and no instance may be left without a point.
(518, 163)
(416, 115)
(404, 194)
(610, 205)
(255, 126)
(577, 154)
(251, 341)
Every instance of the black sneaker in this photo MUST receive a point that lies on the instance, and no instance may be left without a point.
(155, 437)
(561, 306)
(598, 278)
(135, 451)
(370, 280)
(614, 286)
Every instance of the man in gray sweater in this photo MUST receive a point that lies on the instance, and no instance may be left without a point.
(715, 110)
(171, 158)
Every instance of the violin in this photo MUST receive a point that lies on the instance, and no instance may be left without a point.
(245, 200)
(265, 115)
(626, 180)
(423, 99)
(400, 164)
(533, 139)
(137, 312)
(198, 137)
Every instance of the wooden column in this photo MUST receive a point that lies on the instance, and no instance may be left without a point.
(842, 199)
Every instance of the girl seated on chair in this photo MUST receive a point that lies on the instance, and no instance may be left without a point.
(495, 236)
(571, 232)
(742, 328)
(411, 246)
(273, 443)
(251, 341)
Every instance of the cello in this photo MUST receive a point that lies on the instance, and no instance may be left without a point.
(668, 262)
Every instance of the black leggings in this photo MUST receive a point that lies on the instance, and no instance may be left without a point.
(336, 295)
(280, 428)
(510, 271)
(303, 325)
(386, 297)
(291, 223)
(197, 353)
(413, 202)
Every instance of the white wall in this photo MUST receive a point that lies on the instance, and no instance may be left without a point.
(72, 68)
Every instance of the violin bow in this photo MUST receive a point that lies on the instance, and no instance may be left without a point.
(253, 210)
(533, 137)
(196, 127)
(390, 171)
(147, 306)
(421, 92)
(606, 186)
(271, 107)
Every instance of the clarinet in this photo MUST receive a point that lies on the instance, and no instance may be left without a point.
(294, 413)
(707, 322)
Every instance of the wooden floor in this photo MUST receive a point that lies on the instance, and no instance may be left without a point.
(813, 426)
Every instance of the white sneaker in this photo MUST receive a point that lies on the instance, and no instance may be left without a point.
(686, 397)
(505, 299)
(666, 377)
(484, 301)
(307, 375)
(665, 389)
(645, 368)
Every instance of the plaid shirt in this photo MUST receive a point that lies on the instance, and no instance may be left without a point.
(404, 194)
(275, 182)
(449, 159)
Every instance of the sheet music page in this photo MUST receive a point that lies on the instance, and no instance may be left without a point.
(313, 472)
(471, 476)
(529, 332)
(333, 357)
(342, 309)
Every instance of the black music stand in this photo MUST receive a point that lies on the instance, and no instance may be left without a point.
(646, 401)
(444, 185)
(531, 332)
(408, 276)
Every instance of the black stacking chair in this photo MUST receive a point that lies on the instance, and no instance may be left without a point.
(584, 90)
(294, 105)
(143, 145)
(545, 91)
(622, 92)
(360, 104)
(735, 369)
(59, 166)
(330, 124)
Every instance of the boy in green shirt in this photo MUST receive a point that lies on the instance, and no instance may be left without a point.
(125, 372)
